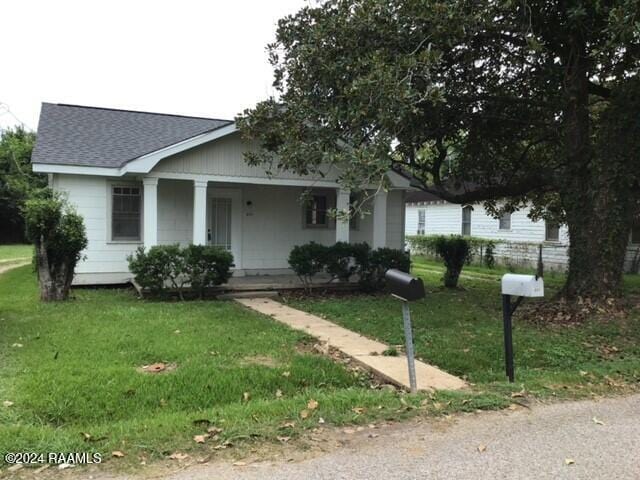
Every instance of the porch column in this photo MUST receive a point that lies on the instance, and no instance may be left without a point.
(199, 212)
(380, 220)
(150, 211)
(342, 224)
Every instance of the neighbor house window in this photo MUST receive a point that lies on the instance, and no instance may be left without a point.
(466, 220)
(126, 202)
(421, 221)
(552, 232)
(315, 214)
(635, 231)
(505, 221)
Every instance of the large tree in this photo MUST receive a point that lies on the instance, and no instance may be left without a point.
(516, 101)
(17, 181)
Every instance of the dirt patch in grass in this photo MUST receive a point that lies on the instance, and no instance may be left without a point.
(563, 313)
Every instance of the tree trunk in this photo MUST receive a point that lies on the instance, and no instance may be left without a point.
(593, 194)
(599, 228)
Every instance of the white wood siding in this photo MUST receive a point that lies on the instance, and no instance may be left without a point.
(271, 225)
(224, 157)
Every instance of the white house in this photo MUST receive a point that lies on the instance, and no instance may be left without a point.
(142, 178)
(517, 236)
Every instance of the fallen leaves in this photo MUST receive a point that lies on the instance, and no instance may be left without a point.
(283, 439)
(17, 345)
(304, 414)
(597, 422)
(246, 396)
(117, 454)
(358, 410)
(569, 461)
(178, 456)
(201, 438)
(482, 447)
(7, 403)
(154, 367)
(312, 404)
(278, 393)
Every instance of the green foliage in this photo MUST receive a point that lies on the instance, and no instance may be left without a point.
(382, 259)
(454, 250)
(479, 247)
(489, 259)
(308, 260)
(170, 266)
(207, 266)
(17, 182)
(478, 101)
(344, 260)
(59, 237)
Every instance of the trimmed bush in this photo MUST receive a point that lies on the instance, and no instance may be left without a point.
(454, 250)
(169, 266)
(307, 260)
(379, 261)
(206, 266)
(343, 260)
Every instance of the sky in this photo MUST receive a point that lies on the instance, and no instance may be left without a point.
(189, 57)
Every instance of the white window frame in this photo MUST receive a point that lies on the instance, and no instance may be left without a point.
(505, 217)
(109, 219)
(422, 222)
(548, 225)
(326, 214)
(468, 208)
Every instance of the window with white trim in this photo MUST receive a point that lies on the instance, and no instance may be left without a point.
(466, 220)
(315, 212)
(421, 221)
(126, 213)
(551, 232)
(505, 221)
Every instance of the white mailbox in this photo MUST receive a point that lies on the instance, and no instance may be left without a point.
(522, 285)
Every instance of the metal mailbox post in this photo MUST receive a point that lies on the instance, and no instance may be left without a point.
(520, 286)
(406, 288)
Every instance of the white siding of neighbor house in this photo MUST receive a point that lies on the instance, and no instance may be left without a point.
(519, 244)
(271, 226)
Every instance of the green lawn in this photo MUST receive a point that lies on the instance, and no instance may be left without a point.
(70, 369)
(461, 332)
(17, 251)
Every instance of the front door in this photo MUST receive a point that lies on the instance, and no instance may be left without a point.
(224, 214)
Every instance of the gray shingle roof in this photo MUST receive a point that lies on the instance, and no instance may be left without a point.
(104, 137)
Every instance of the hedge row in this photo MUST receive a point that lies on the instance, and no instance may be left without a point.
(344, 260)
(170, 266)
(478, 248)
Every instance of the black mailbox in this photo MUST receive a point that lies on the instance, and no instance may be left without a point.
(403, 285)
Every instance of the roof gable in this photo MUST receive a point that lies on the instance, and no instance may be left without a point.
(102, 137)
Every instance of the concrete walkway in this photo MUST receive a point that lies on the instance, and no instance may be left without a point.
(365, 351)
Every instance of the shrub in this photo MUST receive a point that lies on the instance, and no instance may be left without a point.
(59, 237)
(454, 250)
(163, 266)
(206, 266)
(343, 259)
(159, 267)
(489, 255)
(307, 260)
(379, 261)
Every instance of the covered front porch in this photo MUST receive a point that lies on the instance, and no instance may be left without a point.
(261, 221)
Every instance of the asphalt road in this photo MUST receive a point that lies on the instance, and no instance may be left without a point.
(522, 444)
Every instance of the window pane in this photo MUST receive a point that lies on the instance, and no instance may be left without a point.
(125, 213)
(552, 232)
(505, 221)
(316, 211)
(466, 220)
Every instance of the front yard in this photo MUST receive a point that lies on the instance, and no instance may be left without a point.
(460, 331)
(70, 376)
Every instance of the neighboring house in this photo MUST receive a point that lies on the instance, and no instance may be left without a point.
(517, 236)
(142, 178)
